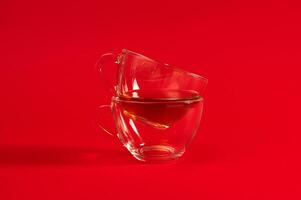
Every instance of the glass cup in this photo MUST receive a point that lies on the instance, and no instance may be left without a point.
(156, 108)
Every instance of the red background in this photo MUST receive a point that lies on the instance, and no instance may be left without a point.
(248, 145)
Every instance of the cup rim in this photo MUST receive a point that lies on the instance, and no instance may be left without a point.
(118, 99)
(127, 51)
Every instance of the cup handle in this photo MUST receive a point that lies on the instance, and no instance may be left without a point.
(101, 126)
(105, 58)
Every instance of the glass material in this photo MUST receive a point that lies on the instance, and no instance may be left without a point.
(157, 108)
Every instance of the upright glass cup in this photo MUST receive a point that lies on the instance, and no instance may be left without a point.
(157, 108)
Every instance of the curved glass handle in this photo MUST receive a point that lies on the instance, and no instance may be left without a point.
(105, 58)
(101, 126)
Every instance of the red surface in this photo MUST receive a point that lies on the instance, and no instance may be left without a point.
(248, 146)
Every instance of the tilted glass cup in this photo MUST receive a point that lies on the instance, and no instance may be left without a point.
(157, 108)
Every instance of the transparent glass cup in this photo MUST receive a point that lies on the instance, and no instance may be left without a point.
(156, 108)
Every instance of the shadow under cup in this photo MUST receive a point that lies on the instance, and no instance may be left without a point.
(156, 130)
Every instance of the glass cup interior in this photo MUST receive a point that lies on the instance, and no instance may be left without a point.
(140, 76)
(156, 130)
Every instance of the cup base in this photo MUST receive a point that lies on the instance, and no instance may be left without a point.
(156, 153)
